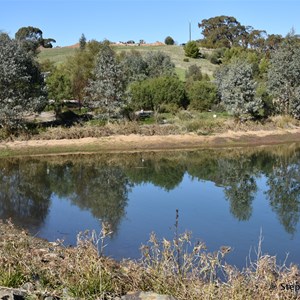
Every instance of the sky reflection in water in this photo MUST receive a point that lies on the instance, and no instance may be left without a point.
(225, 197)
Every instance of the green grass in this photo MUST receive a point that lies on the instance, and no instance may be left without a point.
(60, 55)
(56, 55)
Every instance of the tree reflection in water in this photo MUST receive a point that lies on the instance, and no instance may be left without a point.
(101, 183)
(284, 191)
(24, 191)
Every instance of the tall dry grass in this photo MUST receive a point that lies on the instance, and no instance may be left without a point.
(174, 267)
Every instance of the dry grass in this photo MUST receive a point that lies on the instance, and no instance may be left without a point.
(173, 267)
(183, 122)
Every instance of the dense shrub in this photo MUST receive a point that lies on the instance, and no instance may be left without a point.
(216, 56)
(202, 95)
(193, 73)
(138, 67)
(191, 49)
(155, 92)
(169, 40)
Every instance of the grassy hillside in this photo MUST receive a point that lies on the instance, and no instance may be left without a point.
(59, 55)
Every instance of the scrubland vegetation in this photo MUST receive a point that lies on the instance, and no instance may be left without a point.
(238, 73)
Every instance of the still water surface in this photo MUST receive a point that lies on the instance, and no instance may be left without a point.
(225, 197)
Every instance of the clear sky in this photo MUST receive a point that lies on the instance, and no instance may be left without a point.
(122, 20)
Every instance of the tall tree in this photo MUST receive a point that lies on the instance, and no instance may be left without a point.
(284, 77)
(82, 42)
(107, 89)
(21, 84)
(80, 68)
(237, 89)
(134, 66)
(32, 38)
(222, 31)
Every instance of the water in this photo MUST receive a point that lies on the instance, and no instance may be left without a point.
(225, 197)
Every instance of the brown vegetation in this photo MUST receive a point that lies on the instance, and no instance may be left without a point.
(44, 268)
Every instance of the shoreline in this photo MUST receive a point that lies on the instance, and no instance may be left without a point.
(134, 142)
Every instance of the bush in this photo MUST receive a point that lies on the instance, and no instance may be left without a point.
(191, 49)
(216, 56)
(169, 40)
(193, 73)
(155, 92)
(186, 59)
(202, 95)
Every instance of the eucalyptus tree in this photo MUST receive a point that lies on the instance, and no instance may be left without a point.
(32, 38)
(22, 88)
(138, 67)
(107, 88)
(284, 77)
(237, 89)
(159, 64)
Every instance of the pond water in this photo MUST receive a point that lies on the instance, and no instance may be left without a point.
(224, 197)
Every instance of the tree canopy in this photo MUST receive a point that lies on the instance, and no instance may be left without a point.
(32, 38)
(222, 31)
(237, 89)
(284, 77)
(21, 83)
(107, 89)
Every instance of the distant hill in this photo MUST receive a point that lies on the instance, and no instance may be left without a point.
(60, 54)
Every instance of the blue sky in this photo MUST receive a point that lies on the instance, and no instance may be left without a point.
(122, 20)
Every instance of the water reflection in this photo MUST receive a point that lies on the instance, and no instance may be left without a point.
(284, 191)
(101, 184)
(24, 192)
(95, 186)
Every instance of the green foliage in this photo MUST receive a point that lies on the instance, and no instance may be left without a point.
(59, 84)
(47, 66)
(202, 95)
(82, 42)
(11, 278)
(154, 92)
(237, 89)
(191, 49)
(139, 67)
(159, 64)
(21, 84)
(80, 68)
(222, 31)
(217, 55)
(108, 87)
(193, 73)
(134, 66)
(169, 40)
(284, 77)
(32, 38)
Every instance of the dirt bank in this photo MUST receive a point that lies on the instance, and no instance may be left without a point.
(144, 143)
